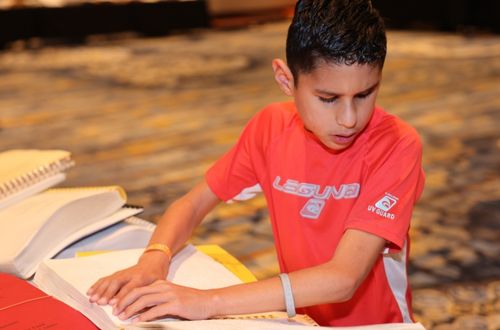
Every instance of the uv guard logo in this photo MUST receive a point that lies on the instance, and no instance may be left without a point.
(316, 194)
(383, 205)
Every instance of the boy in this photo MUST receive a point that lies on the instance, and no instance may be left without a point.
(340, 177)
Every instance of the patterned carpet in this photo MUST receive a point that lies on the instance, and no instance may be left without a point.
(152, 114)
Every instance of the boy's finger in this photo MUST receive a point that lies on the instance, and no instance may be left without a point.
(155, 312)
(113, 286)
(125, 290)
(97, 289)
(147, 299)
(132, 284)
(132, 296)
(129, 297)
(95, 286)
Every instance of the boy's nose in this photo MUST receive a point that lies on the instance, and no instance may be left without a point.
(346, 116)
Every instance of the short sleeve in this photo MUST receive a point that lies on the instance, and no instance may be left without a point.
(234, 171)
(393, 182)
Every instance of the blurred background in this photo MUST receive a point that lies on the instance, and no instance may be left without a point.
(147, 95)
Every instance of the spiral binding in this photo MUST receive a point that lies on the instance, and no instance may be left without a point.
(36, 175)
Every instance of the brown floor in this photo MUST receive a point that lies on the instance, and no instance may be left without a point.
(153, 114)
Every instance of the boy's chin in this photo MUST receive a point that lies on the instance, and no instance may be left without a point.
(329, 144)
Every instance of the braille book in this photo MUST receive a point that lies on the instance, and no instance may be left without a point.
(69, 279)
(40, 226)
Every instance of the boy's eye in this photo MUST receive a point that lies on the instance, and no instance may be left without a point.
(328, 99)
(364, 95)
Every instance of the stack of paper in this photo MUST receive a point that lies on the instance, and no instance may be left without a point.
(37, 223)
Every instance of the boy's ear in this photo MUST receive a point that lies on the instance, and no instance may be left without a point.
(283, 76)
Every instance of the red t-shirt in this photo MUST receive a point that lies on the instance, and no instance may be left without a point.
(314, 194)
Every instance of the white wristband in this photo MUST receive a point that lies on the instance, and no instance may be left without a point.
(287, 291)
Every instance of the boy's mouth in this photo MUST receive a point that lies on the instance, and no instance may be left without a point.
(343, 139)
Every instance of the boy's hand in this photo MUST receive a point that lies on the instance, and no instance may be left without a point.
(152, 266)
(163, 298)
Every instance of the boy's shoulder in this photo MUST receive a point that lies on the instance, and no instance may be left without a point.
(389, 131)
(276, 117)
(281, 112)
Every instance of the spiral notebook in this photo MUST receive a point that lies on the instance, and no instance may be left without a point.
(40, 226)
(25, 172)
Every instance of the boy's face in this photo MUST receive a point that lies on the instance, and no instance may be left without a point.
(336, 102)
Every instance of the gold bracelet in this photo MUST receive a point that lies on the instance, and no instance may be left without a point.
(159, 247)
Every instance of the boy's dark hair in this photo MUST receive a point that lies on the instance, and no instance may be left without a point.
(335, 31)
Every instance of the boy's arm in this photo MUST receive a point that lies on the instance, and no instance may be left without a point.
(333, 281)
(183, 216)
(173, 230)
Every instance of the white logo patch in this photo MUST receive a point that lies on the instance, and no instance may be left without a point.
(386, 203)
(312, 209)
(383, 205)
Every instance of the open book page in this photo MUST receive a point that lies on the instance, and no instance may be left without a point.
(39, 225)
(87, 232)
(26, 172)
(131, 233)
(69, 279)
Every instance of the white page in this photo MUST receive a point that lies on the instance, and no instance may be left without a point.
(38, 225)
(189, 268)
(25, 219)
(28, 262)
(131, 233)
(184, 270)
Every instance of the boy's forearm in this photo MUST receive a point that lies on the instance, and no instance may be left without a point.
(175, 226)
(256, 297)
(311, 286)
(334, 281)
(181, 218)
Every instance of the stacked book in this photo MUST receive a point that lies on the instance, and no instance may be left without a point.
(38, 223)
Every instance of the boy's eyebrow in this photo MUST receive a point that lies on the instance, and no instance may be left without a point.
(330, 93)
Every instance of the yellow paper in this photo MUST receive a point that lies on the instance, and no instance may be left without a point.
(228, 261)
